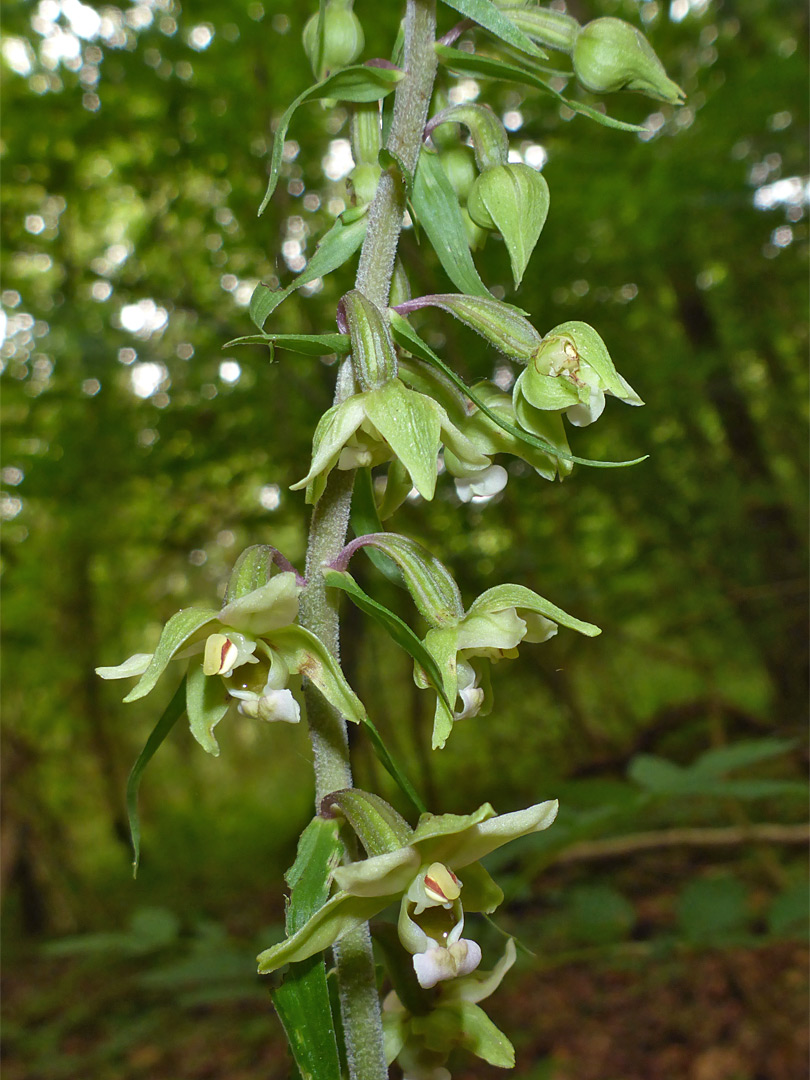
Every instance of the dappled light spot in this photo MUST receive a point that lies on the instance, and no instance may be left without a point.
(146, 378)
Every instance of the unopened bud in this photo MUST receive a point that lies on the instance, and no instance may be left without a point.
(611, 55)
(551, 28)
(342, 39)
(513, 200)
(459, 168)
(489, 138)
(503, 325)
(373, 357)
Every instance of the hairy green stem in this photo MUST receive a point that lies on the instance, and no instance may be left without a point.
(360, 1006)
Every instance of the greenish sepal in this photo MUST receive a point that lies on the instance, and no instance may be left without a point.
(513, 199)
(482, 984)
(610, 55)
(438, 212)
(253, 569)
(489, 138)
(441, 837)
(343, 913)
(171, 714)
(476, 65)
(178, 631)
(304, 344)
(465, 1025)
(206, 704)
(480, 892)
(487, 15)
(411, 425)
(334, 429)
(356, 83)
(380, 875)
(592, 349)
(374, 360)
(333, 250)
(502, 597)
(547, 392)
(407, 338)
(265, 609)
(492, 832)
(306, 654)
(377, 824)
(133, 665)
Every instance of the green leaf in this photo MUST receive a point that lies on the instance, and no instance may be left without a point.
(392, 768)
(171, 714)
(366, 519)
(713, 911)
(438, 212)
(599, 914)
(177, 632)
(303, 1007)
(662, 777)
(302, 1000)
(206, 704)
(787, 915)
(334, 248)
(489, 68)
(487, 15)
(398, 630)
(305, 344)
(355, 83)
(407, 338)
(724, 759)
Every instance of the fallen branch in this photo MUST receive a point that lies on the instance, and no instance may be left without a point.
(619, 846)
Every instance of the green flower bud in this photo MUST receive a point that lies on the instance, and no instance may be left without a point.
(512, 200)
(611, 55)
(476, 236)
(379, 827)
(366, 132)
(361, 183)
(503, 325)
(343, 38)
(459, 167)
(373, 357)
(488, 135)
(550, 28)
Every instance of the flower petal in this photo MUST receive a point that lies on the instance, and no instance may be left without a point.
(206, 704)
(481, 984)
(380, 875)
(134, 665)
(177, 632)
(337, 917)
(411, 424)
(474, 843)
(267, 608)
(303, 652)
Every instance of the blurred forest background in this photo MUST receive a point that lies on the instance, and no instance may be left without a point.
(667, 907)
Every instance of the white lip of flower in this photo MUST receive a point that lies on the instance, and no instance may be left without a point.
(472, 696)
(271, 705)
(438, 963)
(224, 652)
(581, 415)
(482, 484)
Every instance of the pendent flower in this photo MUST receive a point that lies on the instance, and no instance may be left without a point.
(433, 871)
(245, 653)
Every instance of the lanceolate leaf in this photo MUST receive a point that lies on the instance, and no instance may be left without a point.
(335, 247)
(366, 519)
(485, 66)
(305, 344)
(355, 83)
(439, 213)
(302, 1000)
(396, 628)
(405, 336)
(171, 714)
(487, 15)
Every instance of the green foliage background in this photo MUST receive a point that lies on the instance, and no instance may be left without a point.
(134, 174)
